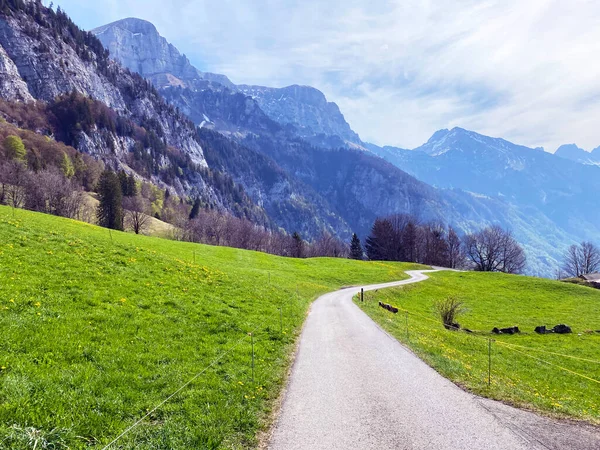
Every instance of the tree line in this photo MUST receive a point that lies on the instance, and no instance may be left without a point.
(52, 178)
(403, 237)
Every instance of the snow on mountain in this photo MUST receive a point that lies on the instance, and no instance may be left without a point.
(574, 153)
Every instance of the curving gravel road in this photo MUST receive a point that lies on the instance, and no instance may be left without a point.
(354, 387)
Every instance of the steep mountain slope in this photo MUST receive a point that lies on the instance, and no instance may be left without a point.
(497, 168)
(101, 108)
(294, 136)
(304, 107)
(555, 195)
(290, 203)
(137, 45)
(361, 187)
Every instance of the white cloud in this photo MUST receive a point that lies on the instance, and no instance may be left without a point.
(526, 71)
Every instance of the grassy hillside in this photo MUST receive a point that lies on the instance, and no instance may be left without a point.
(528, 369)
(95, 332)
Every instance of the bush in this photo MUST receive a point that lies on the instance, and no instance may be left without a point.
(449, 309)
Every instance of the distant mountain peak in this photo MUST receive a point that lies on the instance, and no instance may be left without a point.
(438, 135)
(577, 154)
(131, 24)
(137, 44)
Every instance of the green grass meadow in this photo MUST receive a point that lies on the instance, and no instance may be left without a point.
(98, 328)
(538, 372)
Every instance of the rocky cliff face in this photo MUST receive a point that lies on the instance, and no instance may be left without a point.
(137, 45)
(304, 107)
(50, 62)
(12, 86)
(45, 57)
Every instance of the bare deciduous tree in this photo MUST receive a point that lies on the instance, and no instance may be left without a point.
(456, 256)
(582, 259)
(14, 176)
(494, 249)
(137, 210)
(328, 246)
(51, 192)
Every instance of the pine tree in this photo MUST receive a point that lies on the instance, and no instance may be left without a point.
(132, 189)
(110, 209)
(123, 182)
(15, 149)
(356, 250)
(298, 248)
(195, 209)
(67, 166)
(379, 242)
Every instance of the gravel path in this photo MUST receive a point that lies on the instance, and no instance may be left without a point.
(354, 387)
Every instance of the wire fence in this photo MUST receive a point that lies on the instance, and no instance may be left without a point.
(286, 313)
(523, 350)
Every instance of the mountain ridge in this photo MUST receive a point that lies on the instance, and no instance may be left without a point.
(577, 154)
(138, 45)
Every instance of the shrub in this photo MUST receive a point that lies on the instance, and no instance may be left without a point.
(449, 309)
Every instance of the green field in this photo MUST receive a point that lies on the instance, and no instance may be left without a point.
(96, 331)
(528, 370)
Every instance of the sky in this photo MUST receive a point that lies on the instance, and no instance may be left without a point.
(527, 71)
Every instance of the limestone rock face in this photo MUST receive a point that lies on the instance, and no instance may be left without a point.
(12, 86)
(36, 65)
(51, 67)
(305, 107)
(137, 45)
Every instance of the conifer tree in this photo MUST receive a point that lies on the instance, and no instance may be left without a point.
(132, 189)
(298, 247)
(356, 250)
(110, 209)
(15, 149)
(66, 166)
(195, 209)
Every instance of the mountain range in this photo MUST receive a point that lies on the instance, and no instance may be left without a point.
(574, 153)
(298, 163)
